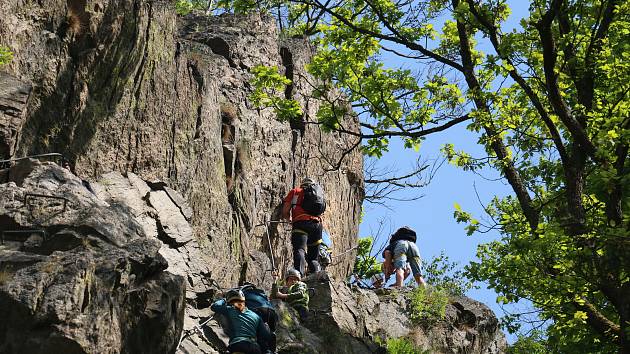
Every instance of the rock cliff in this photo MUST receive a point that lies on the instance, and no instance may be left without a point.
(179, 174)
(78, 273)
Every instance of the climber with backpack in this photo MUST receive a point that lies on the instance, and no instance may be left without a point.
(303, 207)
(257, 301)
(245, 327)
(387, 267)
(405, 253)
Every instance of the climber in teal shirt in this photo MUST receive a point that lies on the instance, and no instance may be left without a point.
(246, 327)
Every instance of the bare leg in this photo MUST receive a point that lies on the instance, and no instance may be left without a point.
(420, 281)
(399, 278)
(407, 272)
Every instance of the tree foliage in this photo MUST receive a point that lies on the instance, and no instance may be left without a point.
(530, 344)
(547, 101)
(365, 264)
(268, 86)
(184, 7)
(445, 275)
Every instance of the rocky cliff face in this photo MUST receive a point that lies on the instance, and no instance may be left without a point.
(348, 319)
(126, 86)
(78, 273)
(184, 172)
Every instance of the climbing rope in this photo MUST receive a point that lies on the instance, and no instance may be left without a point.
(38, 156)
(346, 251)
(196, 329)
(360, 281)
(4, 164)
(341, 254)
(271, 256)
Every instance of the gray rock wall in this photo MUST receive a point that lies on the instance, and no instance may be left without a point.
(13, 98)
(127, 86)
(79, 274)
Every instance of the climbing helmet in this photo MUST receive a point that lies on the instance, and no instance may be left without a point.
(292, 273)
(234, 294)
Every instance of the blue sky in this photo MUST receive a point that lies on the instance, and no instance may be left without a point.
(432, 215)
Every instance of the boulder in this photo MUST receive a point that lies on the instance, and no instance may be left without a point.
(79, 275)
(356, 320)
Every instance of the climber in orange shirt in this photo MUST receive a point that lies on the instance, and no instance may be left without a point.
(303, 206)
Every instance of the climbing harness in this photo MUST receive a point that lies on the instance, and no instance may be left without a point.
(196, 329)
(318, 242)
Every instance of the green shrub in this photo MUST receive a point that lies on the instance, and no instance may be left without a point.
(184, 7)
(402, 346)
(5, 55)
(427, 304)
(366, 265)
(441, 273)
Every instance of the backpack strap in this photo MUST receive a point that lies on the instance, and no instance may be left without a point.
(294, 200)
(316, 242)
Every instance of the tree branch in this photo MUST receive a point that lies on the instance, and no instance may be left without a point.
(511, 174)
(494, 39)
(399, 40)
(598, 321)
(560, 107)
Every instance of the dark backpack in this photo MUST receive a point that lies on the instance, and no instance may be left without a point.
(254, 297)
(314, 202)
(404, 233)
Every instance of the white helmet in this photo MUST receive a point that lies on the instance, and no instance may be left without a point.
(292, 273)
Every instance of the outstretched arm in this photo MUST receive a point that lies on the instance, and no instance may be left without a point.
(276, 293)
(219, 306)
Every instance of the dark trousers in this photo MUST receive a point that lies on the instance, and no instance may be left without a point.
(270, 318)
(303, 312)
(306, 239)
(245, 347)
